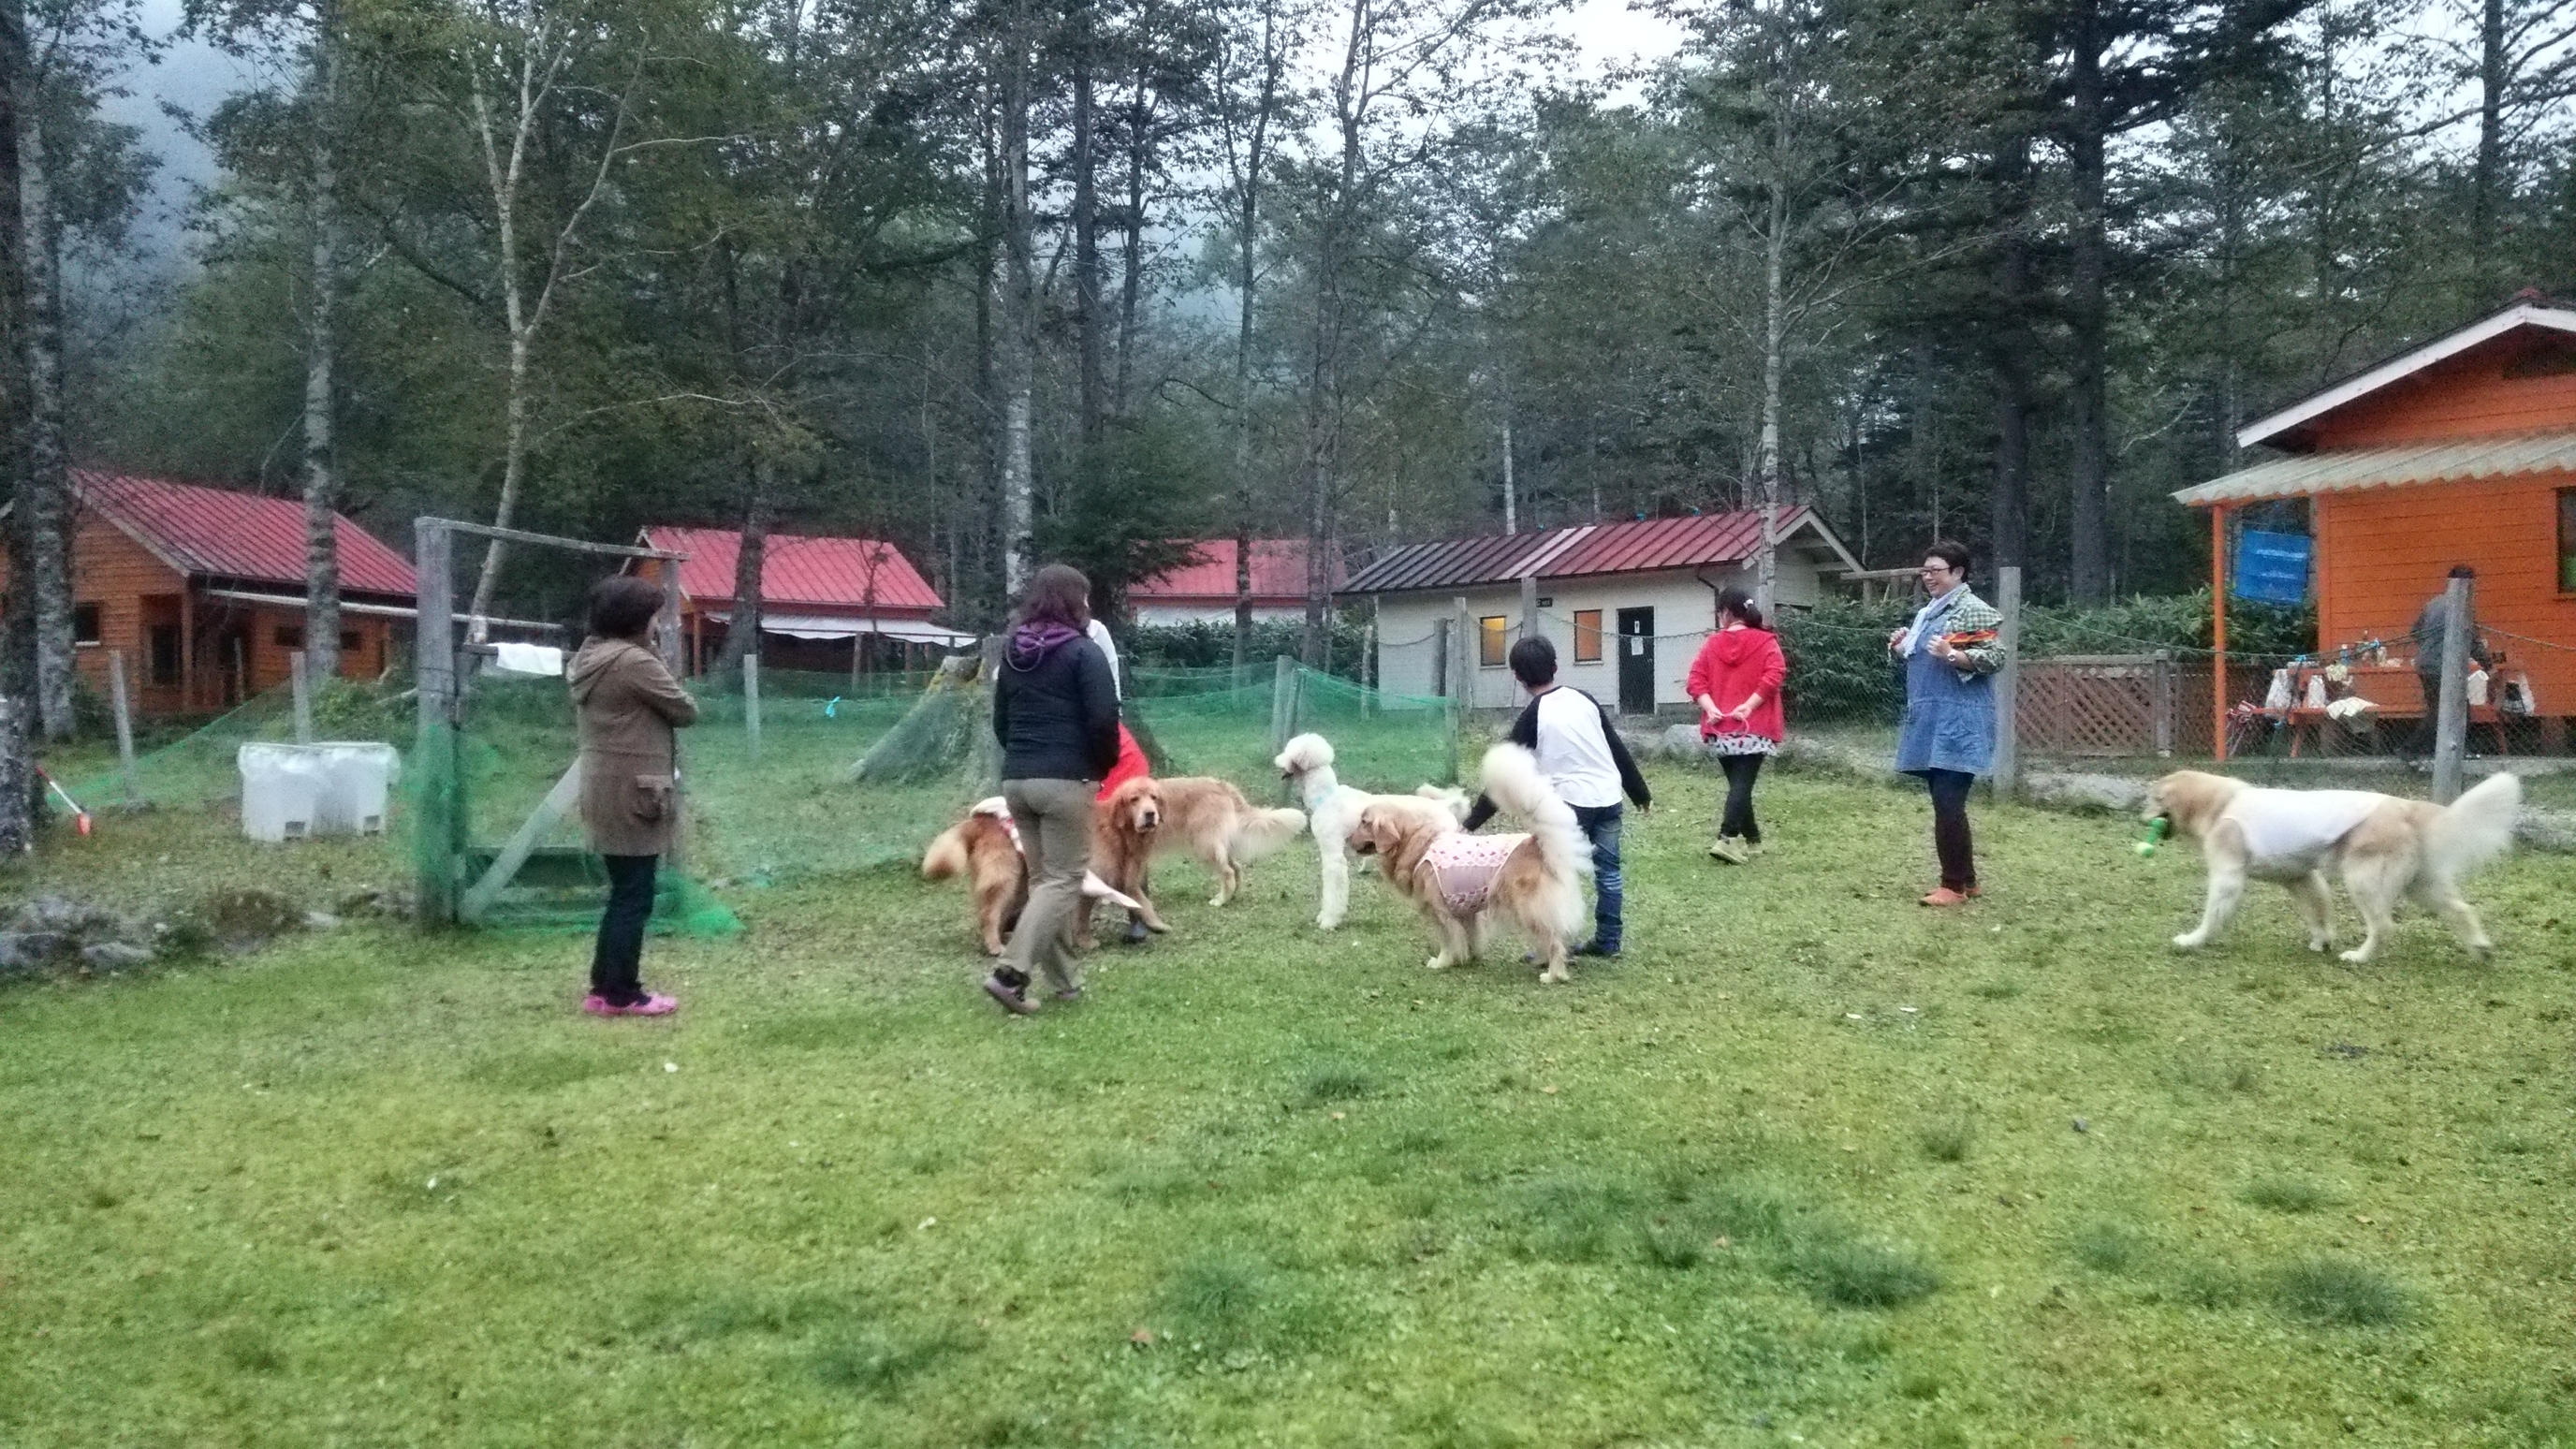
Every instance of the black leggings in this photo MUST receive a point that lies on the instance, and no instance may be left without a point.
(1950, 827)
(617, 961)
(1741, 772)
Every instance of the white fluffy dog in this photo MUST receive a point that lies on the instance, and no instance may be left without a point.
(1333, 811)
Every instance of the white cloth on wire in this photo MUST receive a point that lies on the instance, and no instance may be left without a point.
(540, 659)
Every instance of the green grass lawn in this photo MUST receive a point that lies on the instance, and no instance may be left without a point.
(1805, 1167)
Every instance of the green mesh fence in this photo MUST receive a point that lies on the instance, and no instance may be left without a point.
(782, 802)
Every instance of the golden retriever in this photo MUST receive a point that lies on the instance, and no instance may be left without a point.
(2384, 847)
(1207, 817)
(1537, 884)
(985, 848)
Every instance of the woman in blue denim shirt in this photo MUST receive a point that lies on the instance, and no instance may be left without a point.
(1950, 655)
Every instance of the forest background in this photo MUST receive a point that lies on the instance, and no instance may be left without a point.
(1005, 280)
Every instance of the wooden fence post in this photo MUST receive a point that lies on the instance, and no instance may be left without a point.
(434, 747)
(2007, 764)
(2218, 631)
(124, 721)
(1529, 606)
(2164, 704)
(2451, 719)
(1465, 649)
(751, 702)
(1283, 680)
(303, 696)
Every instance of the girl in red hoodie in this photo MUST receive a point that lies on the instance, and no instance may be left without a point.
(1736, 680)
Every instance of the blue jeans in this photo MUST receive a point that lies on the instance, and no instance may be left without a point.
(1601, 826)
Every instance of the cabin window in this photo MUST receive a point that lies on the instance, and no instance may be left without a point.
(289, 637)
(1587, 636)
(85, 628)
(165, 655)
(2567, 540)
(1493, 640)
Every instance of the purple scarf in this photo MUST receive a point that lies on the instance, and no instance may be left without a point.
(1032, 643)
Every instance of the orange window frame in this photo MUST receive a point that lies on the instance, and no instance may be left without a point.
(1492, 632)
(1587, 636)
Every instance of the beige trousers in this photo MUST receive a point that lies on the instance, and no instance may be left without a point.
(1054, 817)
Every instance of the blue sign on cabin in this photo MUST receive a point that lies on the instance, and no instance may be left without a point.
(2272, 568)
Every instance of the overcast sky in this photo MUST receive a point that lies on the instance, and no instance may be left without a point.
(195, 76)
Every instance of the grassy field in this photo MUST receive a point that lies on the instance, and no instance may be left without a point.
(1810, 1165)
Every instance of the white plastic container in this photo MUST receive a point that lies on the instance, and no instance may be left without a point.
(293, 792)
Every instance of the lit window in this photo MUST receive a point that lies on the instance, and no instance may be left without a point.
(1587, 636)
(2567, 540)
(1493, 640)
(85, 628)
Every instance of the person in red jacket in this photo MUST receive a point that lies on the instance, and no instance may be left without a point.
(1736, 680)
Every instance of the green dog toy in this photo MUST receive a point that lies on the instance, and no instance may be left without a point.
(2156, 829)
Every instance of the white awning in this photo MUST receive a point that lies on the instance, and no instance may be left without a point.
(839, 626)
(373, 611)
(2345, 469)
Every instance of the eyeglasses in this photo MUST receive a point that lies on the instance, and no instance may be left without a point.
(1937, 568)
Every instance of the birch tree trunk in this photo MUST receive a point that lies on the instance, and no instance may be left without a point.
(17, 785)
(1089, 323)
(1775, 337)
(1247, 229)
(321, 357)
(1018, 359)
(47, 491)
(17, 611)
(544, 56)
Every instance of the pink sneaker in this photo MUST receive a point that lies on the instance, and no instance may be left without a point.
(653, 1004)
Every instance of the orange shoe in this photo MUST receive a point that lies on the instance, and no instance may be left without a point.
(1948, 897)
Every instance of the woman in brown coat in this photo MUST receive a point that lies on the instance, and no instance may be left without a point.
(628, 705)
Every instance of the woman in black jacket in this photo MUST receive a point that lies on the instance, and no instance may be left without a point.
(1055, 711)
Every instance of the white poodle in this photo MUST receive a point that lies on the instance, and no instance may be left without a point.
(1333, 810)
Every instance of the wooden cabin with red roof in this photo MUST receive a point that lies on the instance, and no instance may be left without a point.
(202, 590)
(1626, 604)
(1202, 590)
(838, 604)
(2462, 451)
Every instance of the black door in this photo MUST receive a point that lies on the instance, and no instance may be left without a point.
(1636, 661)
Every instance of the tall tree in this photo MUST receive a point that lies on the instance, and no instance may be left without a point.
(1249, 95)
(313, 35)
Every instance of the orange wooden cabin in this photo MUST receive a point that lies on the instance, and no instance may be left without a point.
(202, 591)
(2462, 451)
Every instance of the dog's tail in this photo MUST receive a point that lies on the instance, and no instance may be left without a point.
(2475, 828)
(1512, 781)
(946, 856)
(1264, 831)
(1448, 797)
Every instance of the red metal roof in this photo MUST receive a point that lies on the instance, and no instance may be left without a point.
(218, 533)
(1278, 575)
(1562, 553)
(826, 573)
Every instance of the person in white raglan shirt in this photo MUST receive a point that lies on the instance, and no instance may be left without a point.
(1583, 757)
